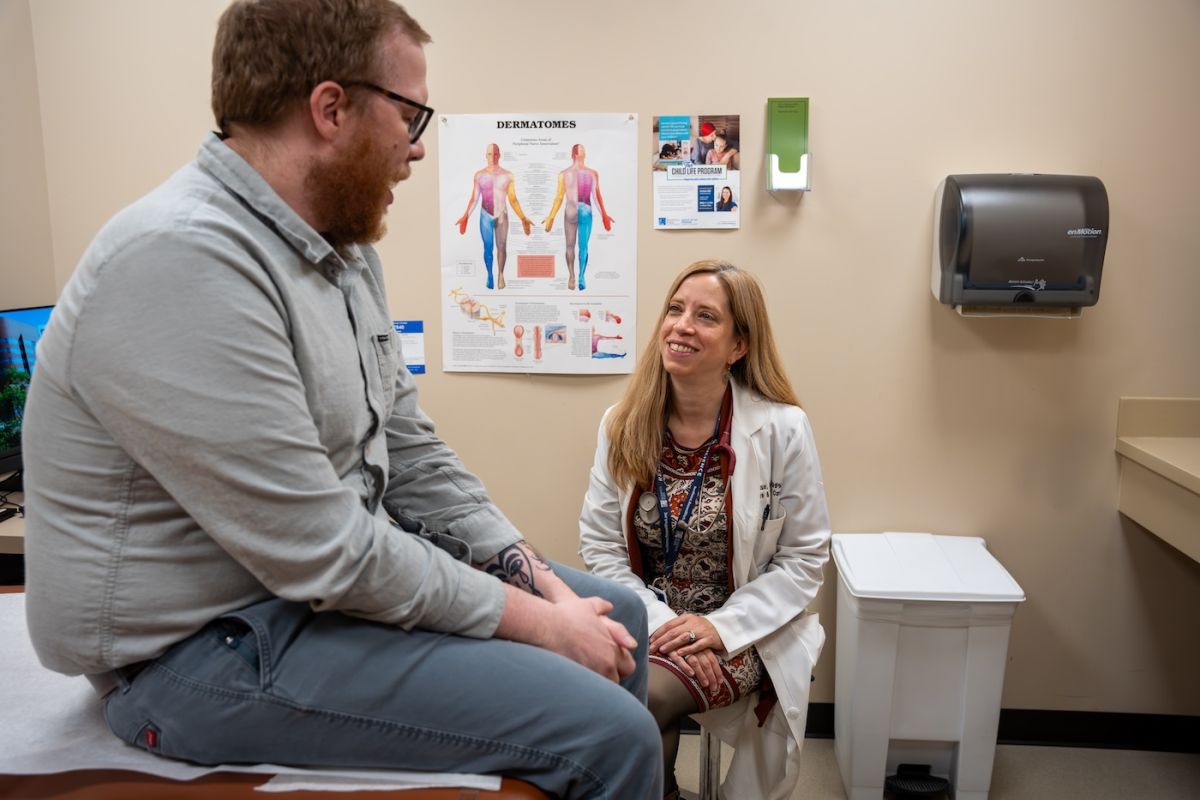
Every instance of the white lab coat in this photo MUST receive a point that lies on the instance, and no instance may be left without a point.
(777, 569)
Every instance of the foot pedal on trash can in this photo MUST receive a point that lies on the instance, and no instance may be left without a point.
(913, 782)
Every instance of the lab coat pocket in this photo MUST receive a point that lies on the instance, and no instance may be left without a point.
(767, 539)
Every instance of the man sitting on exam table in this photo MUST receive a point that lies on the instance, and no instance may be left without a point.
(221, 437)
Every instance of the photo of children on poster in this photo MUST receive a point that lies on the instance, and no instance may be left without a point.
(696, 171)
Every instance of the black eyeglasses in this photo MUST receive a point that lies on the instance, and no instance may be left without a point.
(416, 126)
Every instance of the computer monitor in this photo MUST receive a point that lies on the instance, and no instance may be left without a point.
(20, 330)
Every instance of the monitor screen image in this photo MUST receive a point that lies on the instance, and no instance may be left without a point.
(20, 330)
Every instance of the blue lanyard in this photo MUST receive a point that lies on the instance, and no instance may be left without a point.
(672, 538)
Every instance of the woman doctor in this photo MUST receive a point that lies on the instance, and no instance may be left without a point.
(706, 498)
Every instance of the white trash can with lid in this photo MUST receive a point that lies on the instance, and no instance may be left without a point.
(922, 639)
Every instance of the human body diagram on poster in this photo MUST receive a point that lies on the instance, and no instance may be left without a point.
(538, 253)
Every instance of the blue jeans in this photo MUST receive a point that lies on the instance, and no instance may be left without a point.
(277, 683)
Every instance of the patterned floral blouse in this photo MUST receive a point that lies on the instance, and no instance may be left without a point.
(698, 583)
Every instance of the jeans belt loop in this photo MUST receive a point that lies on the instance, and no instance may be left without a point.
(105, 682)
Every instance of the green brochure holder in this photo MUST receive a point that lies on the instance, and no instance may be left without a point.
(787, 145)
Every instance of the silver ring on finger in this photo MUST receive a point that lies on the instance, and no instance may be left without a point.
(691, 637)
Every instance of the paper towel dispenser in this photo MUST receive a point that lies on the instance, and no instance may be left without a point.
(1019, 242)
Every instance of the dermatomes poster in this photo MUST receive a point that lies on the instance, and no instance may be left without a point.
(538, 232)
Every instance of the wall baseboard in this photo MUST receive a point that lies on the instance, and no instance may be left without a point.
(1168, 733)
(12, 569)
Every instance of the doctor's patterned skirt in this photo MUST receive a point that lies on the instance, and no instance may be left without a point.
(698, 580)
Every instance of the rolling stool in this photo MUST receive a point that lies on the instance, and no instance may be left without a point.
(710, 764)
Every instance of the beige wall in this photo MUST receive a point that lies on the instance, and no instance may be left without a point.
(26, 263)
(925, 421)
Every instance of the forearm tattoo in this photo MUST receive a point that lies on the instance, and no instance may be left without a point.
(516, 564)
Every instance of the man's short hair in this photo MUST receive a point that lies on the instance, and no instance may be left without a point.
(270, 54)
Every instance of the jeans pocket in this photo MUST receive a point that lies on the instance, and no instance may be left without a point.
(240, 639)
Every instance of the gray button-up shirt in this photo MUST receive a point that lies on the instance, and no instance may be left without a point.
(219, 414)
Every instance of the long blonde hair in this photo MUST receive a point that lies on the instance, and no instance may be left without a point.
(635, 426)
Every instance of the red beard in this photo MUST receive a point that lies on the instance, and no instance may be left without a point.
(350, 193)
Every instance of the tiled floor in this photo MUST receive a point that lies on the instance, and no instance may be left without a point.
(1020, 773)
